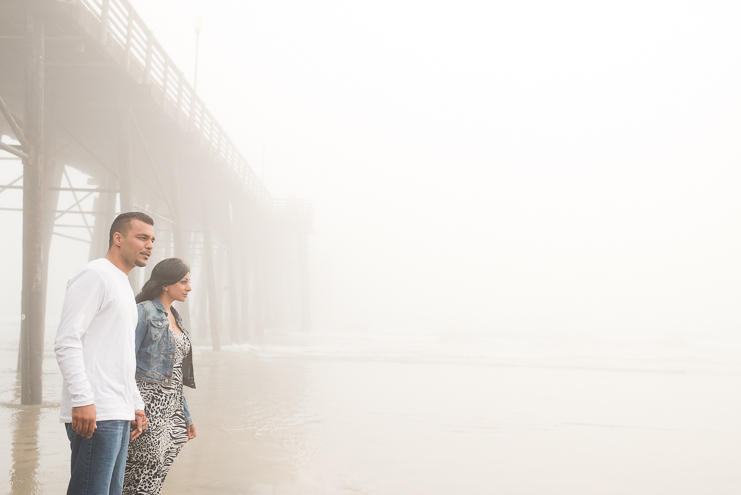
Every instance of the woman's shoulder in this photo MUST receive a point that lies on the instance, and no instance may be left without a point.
(148, 307)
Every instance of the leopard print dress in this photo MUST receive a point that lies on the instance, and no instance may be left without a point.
(153, 452)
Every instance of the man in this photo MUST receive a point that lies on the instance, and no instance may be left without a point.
(101, 406)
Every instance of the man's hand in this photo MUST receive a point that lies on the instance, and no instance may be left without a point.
(83, 420)
(191, 432)
(138, 425)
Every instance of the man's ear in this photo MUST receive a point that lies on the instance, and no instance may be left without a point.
(117, 239)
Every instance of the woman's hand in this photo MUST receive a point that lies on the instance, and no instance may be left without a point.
(191, 432)
(138, 425)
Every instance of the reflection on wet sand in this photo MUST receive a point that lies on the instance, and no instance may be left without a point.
(24, 474)
(250, 417)
(34, 450)
(341, 416)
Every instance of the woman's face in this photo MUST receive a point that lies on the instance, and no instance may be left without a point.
(179, 291)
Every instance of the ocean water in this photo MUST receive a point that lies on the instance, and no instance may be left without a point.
(411, 414)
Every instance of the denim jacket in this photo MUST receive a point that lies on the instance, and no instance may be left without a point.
(155, 348)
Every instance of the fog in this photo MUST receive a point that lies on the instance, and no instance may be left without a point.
(561, 168)
(532, 167)
(557, 171)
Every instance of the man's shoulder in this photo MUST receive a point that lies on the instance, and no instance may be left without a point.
(91, 269)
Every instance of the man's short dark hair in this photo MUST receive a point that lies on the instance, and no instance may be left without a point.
(122, 223)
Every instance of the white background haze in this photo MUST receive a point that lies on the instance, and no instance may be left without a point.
(526, 167)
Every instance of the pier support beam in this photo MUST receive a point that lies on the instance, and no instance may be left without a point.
(276, 278)
(32, 296)
(231, 269)
(53, 181)
(303, 267)
(201, 301)
(125, 176)
(105, 208)
(214, 298)
(260, 286)
(245, 264)
(178, 237)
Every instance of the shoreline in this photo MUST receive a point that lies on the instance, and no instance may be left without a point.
(325, 417)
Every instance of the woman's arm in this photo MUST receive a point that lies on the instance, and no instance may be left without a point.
(188, 421)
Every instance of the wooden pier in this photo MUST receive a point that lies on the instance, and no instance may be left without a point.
(84, 85)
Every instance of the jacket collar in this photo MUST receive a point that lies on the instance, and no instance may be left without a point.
(158, 304)
(161, 308)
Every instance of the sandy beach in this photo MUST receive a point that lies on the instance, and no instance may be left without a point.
(407, 415)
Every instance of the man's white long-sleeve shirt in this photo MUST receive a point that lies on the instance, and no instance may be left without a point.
(95, 343)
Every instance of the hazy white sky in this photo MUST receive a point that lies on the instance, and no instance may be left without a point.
(531, 166)
(540, 166)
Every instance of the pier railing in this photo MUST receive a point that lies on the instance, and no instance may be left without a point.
(121, 32)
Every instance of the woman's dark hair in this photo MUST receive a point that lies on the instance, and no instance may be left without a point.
(166, 272)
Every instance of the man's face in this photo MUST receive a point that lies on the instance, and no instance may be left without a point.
(137, 244)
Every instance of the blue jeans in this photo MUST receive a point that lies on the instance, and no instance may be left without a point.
(98, 463)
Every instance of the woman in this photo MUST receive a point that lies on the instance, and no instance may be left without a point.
(164, 363)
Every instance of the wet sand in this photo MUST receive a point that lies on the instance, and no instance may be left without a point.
(321, 416)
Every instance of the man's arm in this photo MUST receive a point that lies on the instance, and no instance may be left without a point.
(81, 304)
(140, 420)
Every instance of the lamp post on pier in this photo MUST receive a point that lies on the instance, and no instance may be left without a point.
(197, 25)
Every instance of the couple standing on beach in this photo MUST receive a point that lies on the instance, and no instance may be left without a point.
(124, 366)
